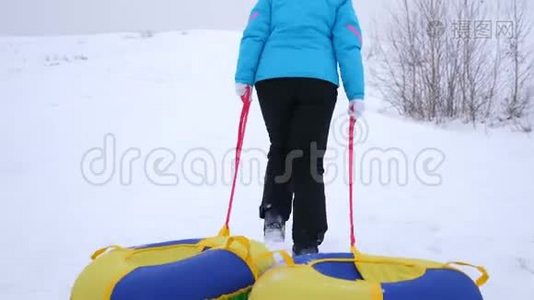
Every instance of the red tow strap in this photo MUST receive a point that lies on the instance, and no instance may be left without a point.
(351, 182)
(246, 98)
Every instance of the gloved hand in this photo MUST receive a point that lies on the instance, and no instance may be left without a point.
(356, 108)
(241, 89)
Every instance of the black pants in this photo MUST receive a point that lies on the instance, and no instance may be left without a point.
(297, 114)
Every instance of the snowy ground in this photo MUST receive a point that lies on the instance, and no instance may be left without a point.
(172, 95)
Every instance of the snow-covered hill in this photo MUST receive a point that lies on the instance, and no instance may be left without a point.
(166, 104)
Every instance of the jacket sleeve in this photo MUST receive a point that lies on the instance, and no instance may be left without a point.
(347, 40)
(253, 41)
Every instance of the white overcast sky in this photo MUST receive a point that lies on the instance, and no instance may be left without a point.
(35, 17)
(90, 16)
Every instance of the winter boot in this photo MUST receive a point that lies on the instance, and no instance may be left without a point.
(274, 228)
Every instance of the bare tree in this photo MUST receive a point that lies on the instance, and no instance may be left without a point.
(427, 73)
(518, 100)
(394, 73)
(475, 80)
(432, 49)
(405, 56)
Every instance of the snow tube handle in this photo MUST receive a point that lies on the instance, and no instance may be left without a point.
(484, 277)
(99, 252)
(247, 258)
(238, 239)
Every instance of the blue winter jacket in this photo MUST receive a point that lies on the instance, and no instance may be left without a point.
(303, 38)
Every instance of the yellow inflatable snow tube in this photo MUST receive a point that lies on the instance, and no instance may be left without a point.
(341, 276)
(212, 268)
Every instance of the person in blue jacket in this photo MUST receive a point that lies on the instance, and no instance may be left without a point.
(290, 51)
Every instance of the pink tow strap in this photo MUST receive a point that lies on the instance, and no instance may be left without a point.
(246, 98)
(351, 182)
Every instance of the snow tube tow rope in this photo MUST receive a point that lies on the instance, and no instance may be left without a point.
(354, 275)
(247, 100)
(222, 267)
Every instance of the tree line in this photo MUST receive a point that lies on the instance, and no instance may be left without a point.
(443, 60)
